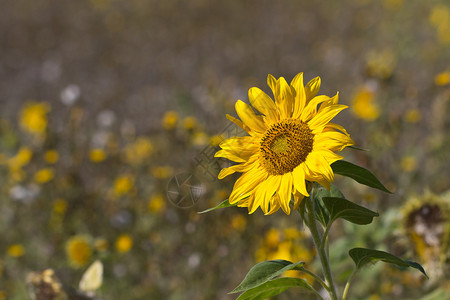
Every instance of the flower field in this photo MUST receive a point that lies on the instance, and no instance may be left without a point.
(112, 113)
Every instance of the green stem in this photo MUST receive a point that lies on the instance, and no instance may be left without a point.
(312, 225)
(347, 285)
(322, 283)
(325, 236)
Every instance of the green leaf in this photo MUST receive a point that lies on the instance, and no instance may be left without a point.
(321, 214)
(357, 148)
(275, 287)
(223, 204)
(358, 173)
(347, 210)
(265, 271)
(333, 192)
(363, 256)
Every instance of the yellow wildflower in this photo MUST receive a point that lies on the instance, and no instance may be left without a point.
(199, 138)
(44, 175)
(409, 163)
(272, 238)
(170, 120)
(33, 117)
(381, 64)
(21, 159)
(123, 184)
(162, 172)
(60, 206)
(440, 14)
(51, 156)
(78, 250)
(16, 250)
(189, 123)
(440, 19)
(139, 151)
(124, 243)
(97, 155)
(442, 78)
(156, 204)
(413, 115)
(363, 105)
(291, 233)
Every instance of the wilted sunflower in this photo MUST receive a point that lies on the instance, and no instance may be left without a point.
(290, 142)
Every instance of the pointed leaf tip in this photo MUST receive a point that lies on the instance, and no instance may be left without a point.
(363, 256)
(223, 204)
(265, 271)
(359, 174)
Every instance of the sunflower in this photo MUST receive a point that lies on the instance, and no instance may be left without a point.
(291, 142)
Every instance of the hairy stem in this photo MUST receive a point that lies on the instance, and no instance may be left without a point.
(312, 225)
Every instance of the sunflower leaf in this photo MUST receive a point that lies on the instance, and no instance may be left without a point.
(357, 148)
(363, 256)
(223, 204)
(275, 287)
(347, 210)
(265, 271)
(359, 174)
(321, 213)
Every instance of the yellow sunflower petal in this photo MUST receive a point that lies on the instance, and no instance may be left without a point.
(329, 156)
(246, 183)
(238, 168)
(311, 108)
(285, 192)
(334, 127)
(318, 122)
(299, 180)
(239, 123)
(274, 204)
(332, 101)
(314, 177)
(253, 203)
(284, 98)
(239, 142)
(260, 192)
(238, 155)
(272, 83)
(263, 103)
(300, 96)
(318, 165)
(249, 118)
(312, 88)
(273, 183)
(332, 140)
(297, 200)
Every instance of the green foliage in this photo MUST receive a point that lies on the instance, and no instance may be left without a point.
(275, 287)
(342, 208)
(358, 173)
(362, 256)
(321, 214)
(265, 271)
(222, 204)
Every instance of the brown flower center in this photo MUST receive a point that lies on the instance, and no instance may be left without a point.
(285, 145)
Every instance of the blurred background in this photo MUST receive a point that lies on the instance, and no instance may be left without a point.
(109, 106)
